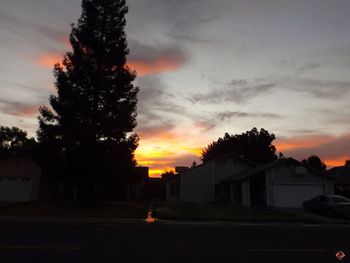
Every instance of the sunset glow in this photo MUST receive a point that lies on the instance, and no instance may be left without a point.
(282, 67)
(161, 152)
(287, 144)
(161, 65)
(337, 161)
(49, 59)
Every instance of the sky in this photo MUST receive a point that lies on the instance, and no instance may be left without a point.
(204, 68)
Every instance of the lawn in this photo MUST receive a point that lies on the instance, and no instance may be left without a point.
(218, 212)
(107, 210)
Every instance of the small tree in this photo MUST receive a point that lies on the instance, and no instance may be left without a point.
(93, 115)
(315, 162)
(253, 145)
(347, 163)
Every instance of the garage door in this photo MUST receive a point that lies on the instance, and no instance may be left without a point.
(15, 189)
(294, 195)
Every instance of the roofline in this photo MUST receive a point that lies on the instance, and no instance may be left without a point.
(236, 156)
(266, 166)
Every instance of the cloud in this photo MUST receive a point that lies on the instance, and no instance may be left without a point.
(324, 89)
(177, 19)
(159, 65)
(309, 66)
(19, 108)
(48, 60)
(163, 150)
(154, 59)
(334, 150)
(44, 35)
(145, 60)
(228, 115)
(237, 91)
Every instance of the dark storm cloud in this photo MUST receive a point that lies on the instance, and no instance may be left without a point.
(237, 91)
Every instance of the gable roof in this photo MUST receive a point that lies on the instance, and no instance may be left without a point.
(233, 155)
(264, 167)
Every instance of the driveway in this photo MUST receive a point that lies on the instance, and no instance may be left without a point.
(317, 217)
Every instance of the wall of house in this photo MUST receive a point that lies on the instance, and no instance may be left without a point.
(245, 192)
(22, 168)
(175, 194)
(198, 184)
(298, 186)
(229, 166)
(285, 173)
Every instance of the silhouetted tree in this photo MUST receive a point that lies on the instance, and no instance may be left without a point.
(315, 162)
(253, 145)
(91, 120)
(14, 141)
(347, 163)
(194, 164)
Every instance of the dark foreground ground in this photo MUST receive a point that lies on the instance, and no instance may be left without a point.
(171, 243)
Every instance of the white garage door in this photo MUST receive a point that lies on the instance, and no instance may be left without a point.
(287, 195)
(15, 189)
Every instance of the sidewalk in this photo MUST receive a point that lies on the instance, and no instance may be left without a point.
(69, 220)
(142, 221)
(317, 217)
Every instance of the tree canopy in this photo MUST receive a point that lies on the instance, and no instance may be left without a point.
(315, 162)
(14, 141)
(91, 119)
(253, 145)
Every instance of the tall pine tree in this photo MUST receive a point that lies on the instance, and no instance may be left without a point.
(92, 117)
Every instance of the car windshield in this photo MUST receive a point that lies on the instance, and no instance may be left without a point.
(339, 199)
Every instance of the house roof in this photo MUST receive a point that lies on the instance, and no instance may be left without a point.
(341, 174)
(235, 156)
(264, 167)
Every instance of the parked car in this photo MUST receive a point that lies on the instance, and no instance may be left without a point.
(332, 205)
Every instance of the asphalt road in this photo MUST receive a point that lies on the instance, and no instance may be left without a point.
(52, 243)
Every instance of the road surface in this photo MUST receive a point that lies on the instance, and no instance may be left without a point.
(171, 243)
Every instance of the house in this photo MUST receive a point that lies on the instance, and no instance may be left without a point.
(172, 184)
(200, 184)
(283, 183)
(135, 188)
(19, 179)
(235, 180)
(155, 189)
(342, 180)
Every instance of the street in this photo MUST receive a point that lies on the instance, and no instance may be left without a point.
(171, 243)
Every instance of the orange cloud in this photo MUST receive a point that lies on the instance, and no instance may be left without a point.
(29, 111)
(295, 143)
(336, 161)
(160, 65)
(333, 150)
(143, 68)
(49, 59)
